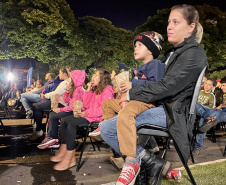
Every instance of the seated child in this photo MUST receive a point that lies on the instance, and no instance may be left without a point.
(147, 47)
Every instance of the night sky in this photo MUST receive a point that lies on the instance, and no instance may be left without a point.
(128, 14)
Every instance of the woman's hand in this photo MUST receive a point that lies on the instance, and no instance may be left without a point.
(56, 110)
(125, 86)
(90, 86)
(82, 114)
(68, 87)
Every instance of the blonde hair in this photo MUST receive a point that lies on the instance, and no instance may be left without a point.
(191, 15)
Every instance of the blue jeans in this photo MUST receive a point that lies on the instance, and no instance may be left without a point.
(29, 97)
(205, 112)
(108, 130)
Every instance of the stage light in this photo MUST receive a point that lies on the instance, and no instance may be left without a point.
(10, 77)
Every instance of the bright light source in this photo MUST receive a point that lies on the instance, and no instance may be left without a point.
(10, 77)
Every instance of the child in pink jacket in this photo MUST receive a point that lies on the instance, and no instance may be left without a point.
(74, 91)
(99, 90)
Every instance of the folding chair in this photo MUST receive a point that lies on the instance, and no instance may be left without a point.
(224, 154)
(83, 132)
(2, 127)
(153, 130)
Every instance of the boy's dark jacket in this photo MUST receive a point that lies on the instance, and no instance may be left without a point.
(175, 90)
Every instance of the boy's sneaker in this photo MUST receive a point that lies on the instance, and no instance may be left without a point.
(29, 114)
(36, 135)
(96, 134)
(208, 124)
(174, 174)
(128, 174)
(196, 151)
(47, 142)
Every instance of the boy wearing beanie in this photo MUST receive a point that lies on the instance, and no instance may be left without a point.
(147, 47)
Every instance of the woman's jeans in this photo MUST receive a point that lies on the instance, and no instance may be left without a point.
(154, 116)
(205, 112)
(29, 97)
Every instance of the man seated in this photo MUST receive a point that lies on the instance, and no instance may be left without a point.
(210, 117)
(35, 96)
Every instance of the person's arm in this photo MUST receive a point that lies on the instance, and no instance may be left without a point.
(77, 95)
(180, 75)
(59, 90)
(154, 71)
(43, 87)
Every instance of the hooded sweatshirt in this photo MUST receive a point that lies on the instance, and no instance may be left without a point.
(93, 102)
(78, 78)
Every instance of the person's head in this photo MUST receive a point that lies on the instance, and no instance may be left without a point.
(218, 83)
(223, 85)
(100, 80)
(64, 73)
(49, 76)
(147, 46)
(32, 86)
(209, 85)
(114, 73)
(183, 22)
(39, 84)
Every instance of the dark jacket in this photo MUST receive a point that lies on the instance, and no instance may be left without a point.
(175, 90)
(52, 86)
(152, 71)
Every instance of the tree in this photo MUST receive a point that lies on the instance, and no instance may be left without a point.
(105, 44)
(37, 29)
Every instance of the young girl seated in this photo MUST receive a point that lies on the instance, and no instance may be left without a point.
(99, 90)
(73, 92)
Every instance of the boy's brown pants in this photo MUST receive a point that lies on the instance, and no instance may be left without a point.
(126, 128)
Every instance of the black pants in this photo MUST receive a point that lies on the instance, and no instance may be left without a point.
(68, 130)
(38, 109)
(54, 121)
(2, 105)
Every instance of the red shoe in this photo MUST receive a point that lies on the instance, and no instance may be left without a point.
(128, 174)
(174, 174)
(95, 132)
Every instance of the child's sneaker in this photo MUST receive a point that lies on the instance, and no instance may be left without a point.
(128, 174)
(96, 134)
(47, 142)
(55, 146)
(174, 174)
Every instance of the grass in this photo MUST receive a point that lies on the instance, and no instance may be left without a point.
(204, 175)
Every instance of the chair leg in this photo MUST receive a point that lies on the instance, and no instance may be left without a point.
(2, 127)
(224, 151)
(185, 164)
(92, 144)
(82, 150)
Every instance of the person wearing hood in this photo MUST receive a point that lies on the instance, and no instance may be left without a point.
(99, 90)
(73, 92)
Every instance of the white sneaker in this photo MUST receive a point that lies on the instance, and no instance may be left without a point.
(36, 135)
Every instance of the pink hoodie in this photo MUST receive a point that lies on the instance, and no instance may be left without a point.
(78, 78)
(92, 103)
